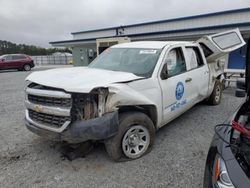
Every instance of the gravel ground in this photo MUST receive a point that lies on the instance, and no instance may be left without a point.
(177, 159)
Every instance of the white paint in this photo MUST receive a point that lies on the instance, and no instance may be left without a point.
(79, 79)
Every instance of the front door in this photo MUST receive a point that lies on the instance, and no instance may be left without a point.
(8, 62)
(177, 89)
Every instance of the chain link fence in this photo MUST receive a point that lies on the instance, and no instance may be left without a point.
(52, 60)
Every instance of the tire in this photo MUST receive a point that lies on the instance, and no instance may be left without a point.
(26, 67)
(215, 97)
(134, 139)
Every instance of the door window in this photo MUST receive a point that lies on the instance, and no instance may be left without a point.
(8, 58)
(194, 57)
(207, 51)
(18, 57)
(175, 62)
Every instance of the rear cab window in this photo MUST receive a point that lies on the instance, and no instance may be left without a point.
(228, 40)
(216, 45)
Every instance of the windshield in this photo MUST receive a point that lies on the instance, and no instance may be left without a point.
(138, 61)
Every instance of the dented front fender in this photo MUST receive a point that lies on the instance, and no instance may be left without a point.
(124, 95)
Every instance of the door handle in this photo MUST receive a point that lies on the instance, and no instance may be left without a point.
(188, 80)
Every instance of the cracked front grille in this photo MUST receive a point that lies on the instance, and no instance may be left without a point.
(47, 119)
(50, 101)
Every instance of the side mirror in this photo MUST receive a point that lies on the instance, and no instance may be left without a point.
(164, 72)
(240, 93)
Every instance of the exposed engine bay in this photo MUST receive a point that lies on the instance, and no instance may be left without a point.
(89, 105)
(240, 138)
(84, 106)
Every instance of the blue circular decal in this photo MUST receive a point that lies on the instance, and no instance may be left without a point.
(179, 90)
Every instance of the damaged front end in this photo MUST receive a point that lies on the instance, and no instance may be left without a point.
(72, 117)
(90, 105)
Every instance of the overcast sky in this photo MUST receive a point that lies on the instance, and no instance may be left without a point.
(38, 22)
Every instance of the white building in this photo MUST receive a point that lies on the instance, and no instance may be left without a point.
(85, 43)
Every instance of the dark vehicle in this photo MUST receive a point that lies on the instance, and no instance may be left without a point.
(16, 61)
(228, 160)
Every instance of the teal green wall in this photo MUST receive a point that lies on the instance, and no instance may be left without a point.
(80, 55)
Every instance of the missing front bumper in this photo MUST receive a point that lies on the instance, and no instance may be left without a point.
(79, 131)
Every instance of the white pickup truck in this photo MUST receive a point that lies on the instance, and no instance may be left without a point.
(128, 92)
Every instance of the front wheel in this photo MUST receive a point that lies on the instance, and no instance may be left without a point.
(215, 97)
(27, 67)
(134, 139)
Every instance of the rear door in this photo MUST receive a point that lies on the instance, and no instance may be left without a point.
(17, 61)
(217, 45)
(199, 72)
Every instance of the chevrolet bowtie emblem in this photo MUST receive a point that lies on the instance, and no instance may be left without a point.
(38, 108)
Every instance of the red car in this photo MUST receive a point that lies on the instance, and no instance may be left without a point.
(16, 61)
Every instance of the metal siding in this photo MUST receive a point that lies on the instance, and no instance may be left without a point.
(171, 35)
(184, 35)
(197, 22)
(168, 29)
(81, 51)
(96, 34)
(234, 11)
(70, 43)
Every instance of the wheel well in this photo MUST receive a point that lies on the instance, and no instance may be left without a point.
(26, 64)
(149, 110)
(220, 77)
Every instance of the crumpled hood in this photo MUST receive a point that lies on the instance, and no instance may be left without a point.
(79, 79)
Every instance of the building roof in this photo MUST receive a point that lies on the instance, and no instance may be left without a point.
(169, 20)
(167, 29)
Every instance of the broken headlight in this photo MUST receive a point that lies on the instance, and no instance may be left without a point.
(84, 106)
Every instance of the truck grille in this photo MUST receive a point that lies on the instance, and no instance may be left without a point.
(50, 101)
(47, 119)
(48, 108)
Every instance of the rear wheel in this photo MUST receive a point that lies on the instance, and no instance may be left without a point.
(215, 97)
(134, 139)
(27, 67)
